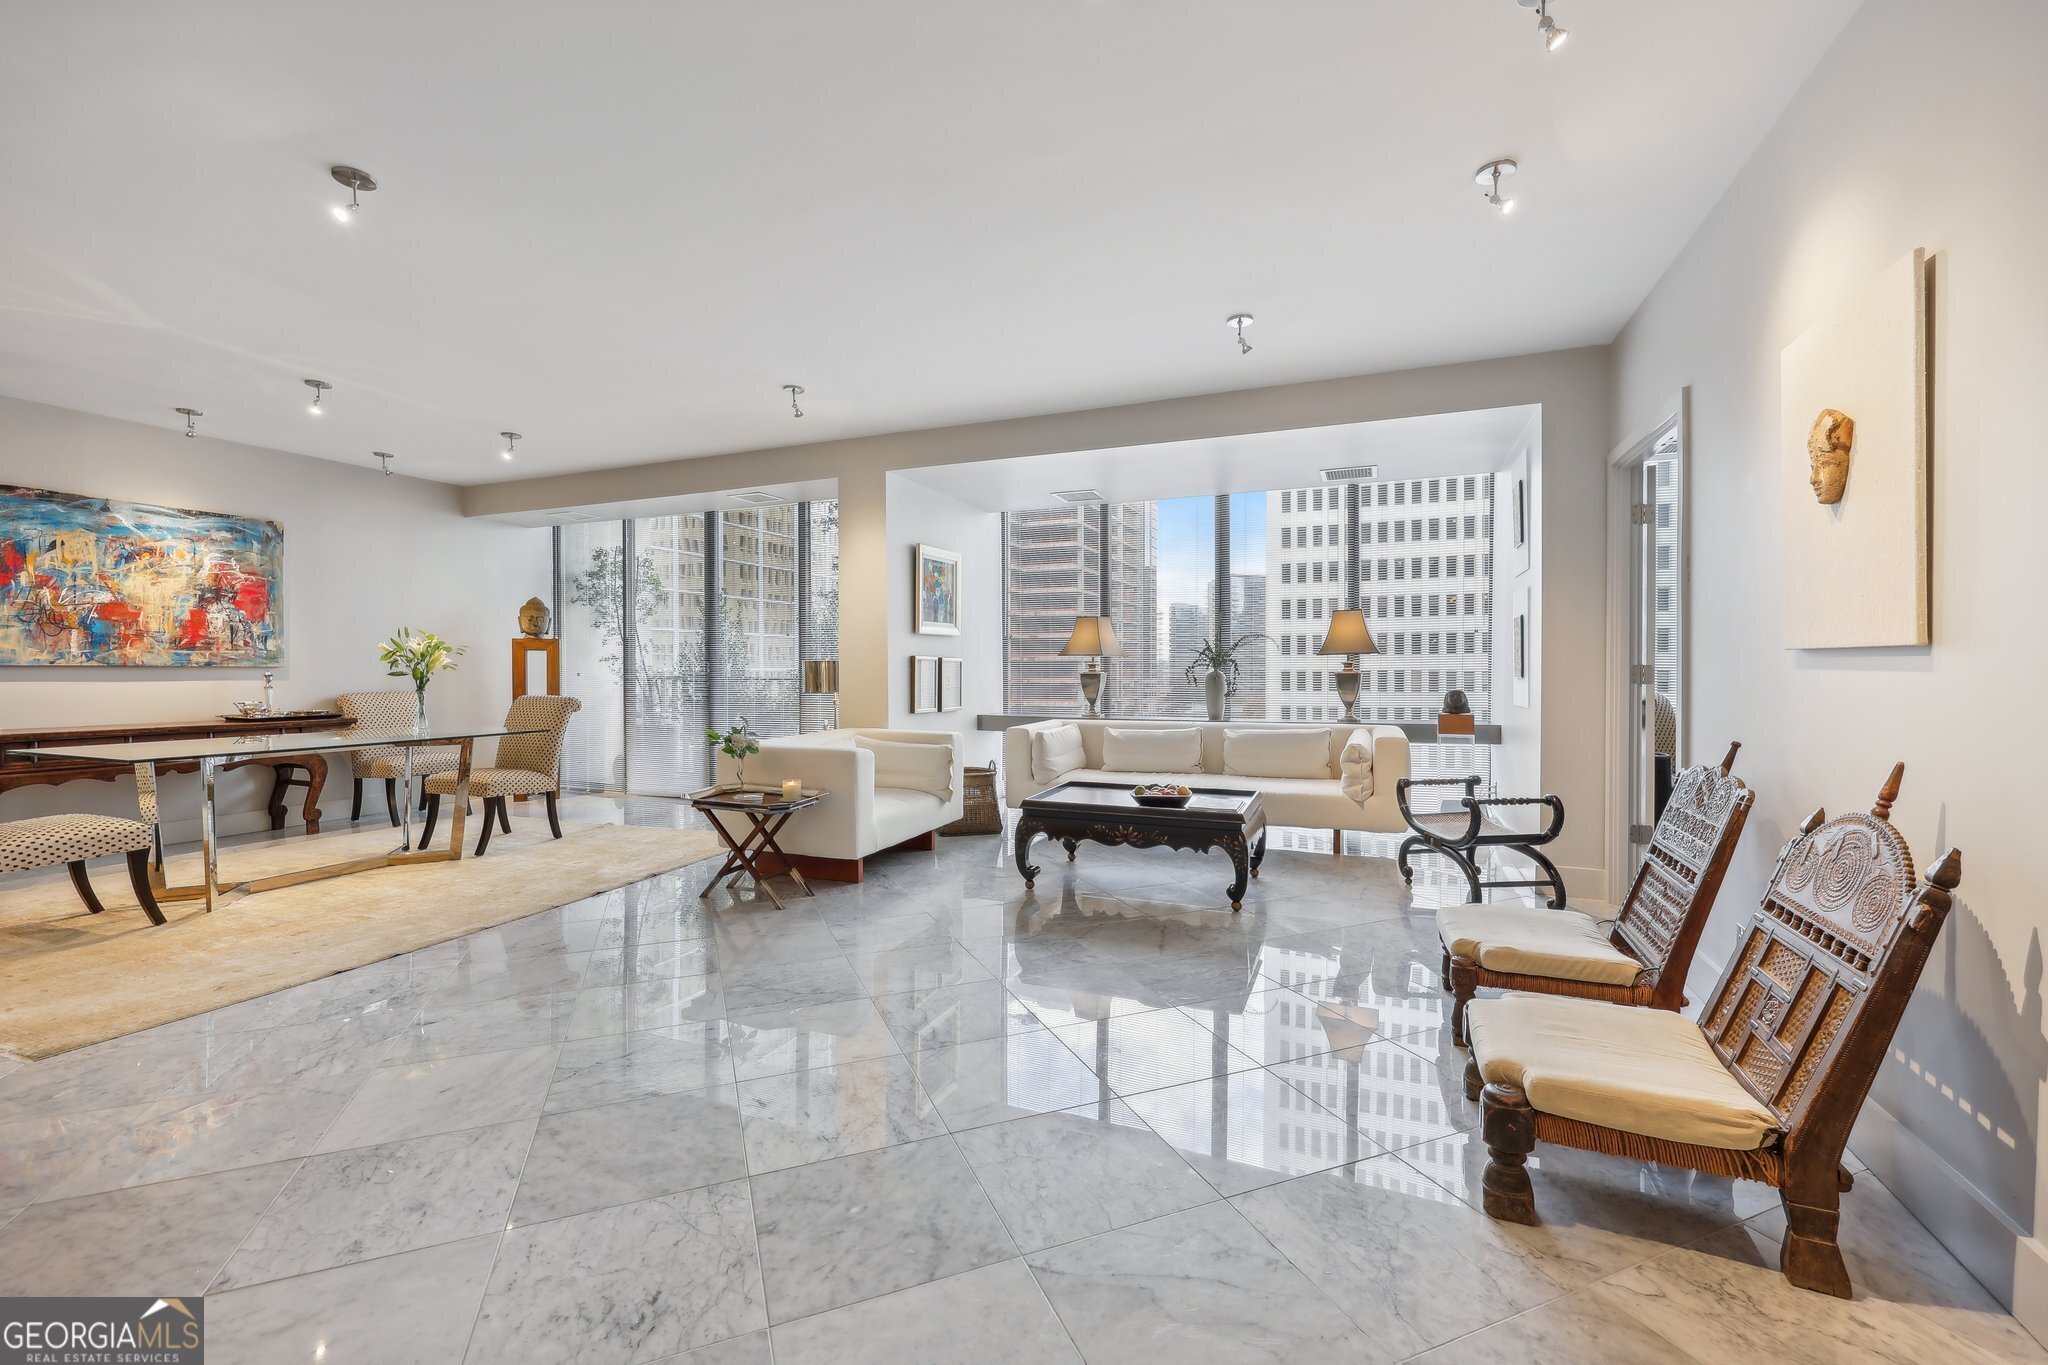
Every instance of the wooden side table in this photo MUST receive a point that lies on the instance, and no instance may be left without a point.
(766, 816)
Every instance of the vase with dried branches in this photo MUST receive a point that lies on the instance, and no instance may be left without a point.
(1215, 666)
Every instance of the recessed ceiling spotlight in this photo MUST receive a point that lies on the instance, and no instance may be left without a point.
(190, 415)
(511, 439)
(1240, 321)
(796, 391)
(319, 388)
(1489, 176)
(1547, 28)
(358, 182)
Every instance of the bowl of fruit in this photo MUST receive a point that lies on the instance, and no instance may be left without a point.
(1167, 794)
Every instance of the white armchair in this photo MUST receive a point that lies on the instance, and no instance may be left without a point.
(884, 794)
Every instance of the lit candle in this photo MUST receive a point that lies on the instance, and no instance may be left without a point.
(791, 789)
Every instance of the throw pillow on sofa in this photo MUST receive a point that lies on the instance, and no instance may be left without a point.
(1276, 753)
(911, 766)
(1055, 752)
(1152, 751)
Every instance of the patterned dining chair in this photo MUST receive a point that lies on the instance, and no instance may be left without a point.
(46, 840)
(525, 765)
(382, 713)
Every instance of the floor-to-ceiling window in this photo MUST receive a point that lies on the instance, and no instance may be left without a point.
(1262, 571)
(674, 625)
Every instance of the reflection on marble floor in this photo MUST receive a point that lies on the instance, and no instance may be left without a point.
(931, 1117)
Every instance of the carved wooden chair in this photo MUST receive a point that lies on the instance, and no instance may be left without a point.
(1643, 958)
(1769, 1085)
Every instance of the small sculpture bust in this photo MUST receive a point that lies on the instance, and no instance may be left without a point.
(1456, 703)
(1827, 446)
(535, 618)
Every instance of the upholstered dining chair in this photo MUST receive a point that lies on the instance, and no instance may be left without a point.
(46, 840)
(1642, 957)
(525, 765)
(383, 713)
(1769, 1084)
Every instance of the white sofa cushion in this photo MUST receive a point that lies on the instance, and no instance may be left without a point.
(913, 767)
(1354, 767)
(1276, 753)
(1141, 751)
(901, 813)
(1564, 944)
(1642, 1071)
(1055, 752)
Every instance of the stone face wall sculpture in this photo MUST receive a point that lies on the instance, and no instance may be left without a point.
(1854, 463)
(1828, 443)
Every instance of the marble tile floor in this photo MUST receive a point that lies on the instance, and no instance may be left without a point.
(932, 1117)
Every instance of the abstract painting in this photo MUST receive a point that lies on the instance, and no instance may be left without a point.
(1854, 454)
(93, 581)
(936, 574)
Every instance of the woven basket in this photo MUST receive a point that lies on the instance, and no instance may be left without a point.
(982, 812)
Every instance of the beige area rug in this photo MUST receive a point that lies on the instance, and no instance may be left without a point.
(69, 978)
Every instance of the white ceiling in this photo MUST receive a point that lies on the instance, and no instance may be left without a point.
(1476, 442)
(618, 227)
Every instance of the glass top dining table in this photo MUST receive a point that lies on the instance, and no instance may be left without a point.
(219, 751)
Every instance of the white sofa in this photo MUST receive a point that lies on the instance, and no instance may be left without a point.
(1318, 800)
(880, 798)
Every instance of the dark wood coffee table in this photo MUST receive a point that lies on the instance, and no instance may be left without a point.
(1107, 813)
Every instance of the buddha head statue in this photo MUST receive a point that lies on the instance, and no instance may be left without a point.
(1827, 446)
(535, 618)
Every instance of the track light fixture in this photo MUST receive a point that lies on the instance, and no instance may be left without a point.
(511, 439)
(1489, 176)
(358, 183)
(319, 388)
(795, 392)
(1240, 321)
(384, 458)
(1547, 28)
(191, 415)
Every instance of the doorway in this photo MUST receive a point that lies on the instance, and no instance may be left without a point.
(1654, 701)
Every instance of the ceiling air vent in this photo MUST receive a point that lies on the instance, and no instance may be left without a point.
(1079, 495)
(578, 516)
(1345, 473)
(757, 498)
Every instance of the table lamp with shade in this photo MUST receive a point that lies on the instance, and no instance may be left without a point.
(1349, 636)
(821, 679)
(1094, 638)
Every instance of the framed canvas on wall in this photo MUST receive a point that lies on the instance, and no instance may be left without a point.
(952, 684)
(935, 579)
(924, 684)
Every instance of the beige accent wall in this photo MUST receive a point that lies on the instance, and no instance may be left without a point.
(1922, 127)
(363, 555)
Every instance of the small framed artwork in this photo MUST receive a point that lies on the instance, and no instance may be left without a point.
(1521, 645)
(952, 684)
(936, 576)
(1518, 511)
(924, 684)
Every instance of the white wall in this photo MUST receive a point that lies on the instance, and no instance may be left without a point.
(921, 515)
(1925, 126)
(363, 555)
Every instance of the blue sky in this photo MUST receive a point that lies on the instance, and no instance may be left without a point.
(1186, 559)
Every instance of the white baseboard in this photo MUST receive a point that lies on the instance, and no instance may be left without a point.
(2005, 1260)
(1587, 884)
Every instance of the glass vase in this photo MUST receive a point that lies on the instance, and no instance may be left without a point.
(419, 715)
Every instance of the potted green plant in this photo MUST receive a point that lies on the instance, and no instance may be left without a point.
(736, 743)
(418, 655)
(1215, 667)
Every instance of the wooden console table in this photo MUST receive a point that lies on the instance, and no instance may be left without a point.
(19, 769)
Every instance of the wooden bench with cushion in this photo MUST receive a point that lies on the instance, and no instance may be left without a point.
(1641, 958)
(1768, 1086)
